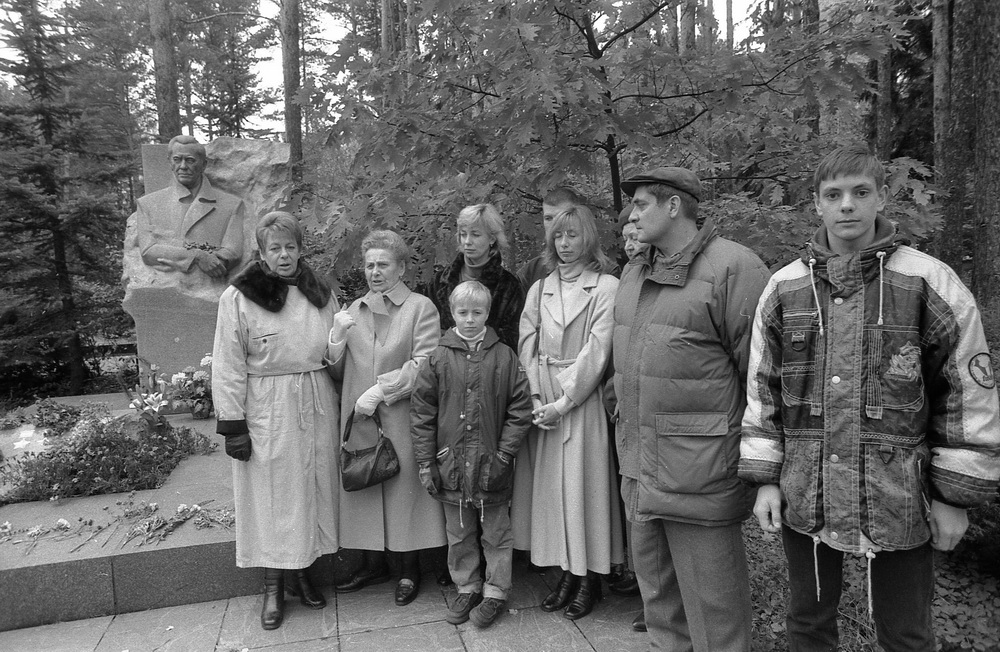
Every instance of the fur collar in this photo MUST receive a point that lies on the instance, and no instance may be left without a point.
(268, 290)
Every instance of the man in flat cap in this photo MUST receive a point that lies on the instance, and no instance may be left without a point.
(683, 315)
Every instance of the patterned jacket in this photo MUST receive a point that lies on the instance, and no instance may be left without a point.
(870, 393)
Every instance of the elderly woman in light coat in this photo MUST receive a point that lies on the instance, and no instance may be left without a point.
(377, 346)
(565, 347)
(278, 410)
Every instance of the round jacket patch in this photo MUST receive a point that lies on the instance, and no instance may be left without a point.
(981, 370)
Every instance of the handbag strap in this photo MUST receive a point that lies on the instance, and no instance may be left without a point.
(350, 424)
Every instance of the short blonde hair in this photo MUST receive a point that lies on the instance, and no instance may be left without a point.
(472, 291)
(277, 222)
(489, 217)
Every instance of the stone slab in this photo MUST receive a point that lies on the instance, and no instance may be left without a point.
(439, 636)
(38, 595)
(525, 629)
(173, 330)
(241, 626)
(182, 629)
(77, 636)
(373, 607)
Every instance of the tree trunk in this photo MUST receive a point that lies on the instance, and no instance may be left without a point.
(290, 50)
(810, 26)
(412, 43)
(986, 166)
(883, 108)
(673, 37)
(689, 16)
(168, 112)
(388, 36)
(729, 25)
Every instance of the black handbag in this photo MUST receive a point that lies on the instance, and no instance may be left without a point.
(367, 467)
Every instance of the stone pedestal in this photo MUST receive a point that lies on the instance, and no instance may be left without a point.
(172, 330)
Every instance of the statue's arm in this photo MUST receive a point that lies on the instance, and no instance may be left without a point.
(154, 251)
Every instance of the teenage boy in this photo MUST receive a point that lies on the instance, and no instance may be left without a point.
(555, 201)
(468, 413)
(872, 419)
(681, 342)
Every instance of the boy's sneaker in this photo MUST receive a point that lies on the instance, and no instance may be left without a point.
(460, 608)
(487, 612)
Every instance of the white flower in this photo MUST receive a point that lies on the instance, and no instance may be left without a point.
(201, 375)
(5, 528)
(181, 508)
(207, 361)
(178, 378)
(62, 524)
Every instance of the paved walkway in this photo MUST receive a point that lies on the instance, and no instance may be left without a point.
(356, 622)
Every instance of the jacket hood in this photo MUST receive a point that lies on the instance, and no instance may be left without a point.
(268, 290)
(818, 249)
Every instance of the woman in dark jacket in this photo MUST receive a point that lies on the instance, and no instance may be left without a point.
(481, 241)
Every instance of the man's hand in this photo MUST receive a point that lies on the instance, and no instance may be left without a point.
(210, 264)
(767, 509)
(429, 476)
(948, 525)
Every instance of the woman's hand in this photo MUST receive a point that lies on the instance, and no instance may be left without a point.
(546, 417)
(368, 402)
(342, 322)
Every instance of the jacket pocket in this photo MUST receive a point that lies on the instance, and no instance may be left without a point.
(494, 475)
(896, 494)
(895, 370)
(800, 481)
(798, 362)
(691, 454)
(448, 468)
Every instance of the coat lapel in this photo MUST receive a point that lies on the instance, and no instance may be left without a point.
(203, 204)
(576, 298)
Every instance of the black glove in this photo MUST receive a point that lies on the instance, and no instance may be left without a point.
(430, 477)
(238, 446)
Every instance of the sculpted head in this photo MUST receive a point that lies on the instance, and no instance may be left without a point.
(187, 160)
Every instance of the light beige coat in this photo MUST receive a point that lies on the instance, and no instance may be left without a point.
(575, 514)
(268, 367)
(386, 346)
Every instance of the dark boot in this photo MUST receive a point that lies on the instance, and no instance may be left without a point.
(587, 595)
(374, 570)
(300, 586)
(274, 599)
(562, 594)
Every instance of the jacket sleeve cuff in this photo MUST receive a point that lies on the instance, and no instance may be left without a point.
(233, 427)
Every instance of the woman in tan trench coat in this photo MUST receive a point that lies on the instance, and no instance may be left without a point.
(377, 346)
(565, 347)
(278, 410)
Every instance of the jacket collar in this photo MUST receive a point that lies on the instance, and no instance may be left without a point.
(847, 272)
(265, 288)
(575, 298)
(397, 295)
(674, 270)
(451, 339)
(492, 271)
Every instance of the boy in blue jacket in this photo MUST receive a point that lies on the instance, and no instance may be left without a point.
(872, 417)
(469, 411)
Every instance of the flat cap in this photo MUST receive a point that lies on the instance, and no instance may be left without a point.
(678, 178)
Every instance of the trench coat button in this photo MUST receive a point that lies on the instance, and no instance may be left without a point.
(838, 300)
(468, 356)
(834, 536)
(834, 458)
(469, 427)
(835, 380)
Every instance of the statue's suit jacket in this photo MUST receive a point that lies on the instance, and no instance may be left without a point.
(214, 217)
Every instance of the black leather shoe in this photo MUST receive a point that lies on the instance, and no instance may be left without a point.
(406, 591)
(363, 578)
(301, 587)
(273, 611)
(562, 594)
(628, 585)
(587, 595)
(639, 624)
(443, 577)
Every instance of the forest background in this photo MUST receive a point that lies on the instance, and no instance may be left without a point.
(419, 107)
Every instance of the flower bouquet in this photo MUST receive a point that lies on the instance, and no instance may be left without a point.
(193, 389)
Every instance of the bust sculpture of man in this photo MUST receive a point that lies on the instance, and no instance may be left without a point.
(190, 224)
